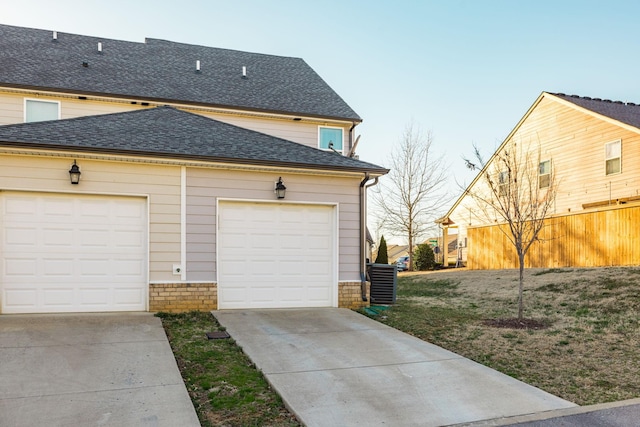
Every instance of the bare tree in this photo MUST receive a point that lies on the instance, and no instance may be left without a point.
(411, 195)
(519, 193)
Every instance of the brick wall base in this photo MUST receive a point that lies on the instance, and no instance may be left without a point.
(181, 297)
(350, 295)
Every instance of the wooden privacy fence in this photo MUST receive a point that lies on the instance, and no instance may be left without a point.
(606, 237)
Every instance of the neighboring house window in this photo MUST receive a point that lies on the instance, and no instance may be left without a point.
(503, 181)
(544, 174)
(39, 111)
(613, 157)
(329, 135)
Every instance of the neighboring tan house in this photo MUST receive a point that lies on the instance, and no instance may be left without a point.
(592, 148)
(180, 150)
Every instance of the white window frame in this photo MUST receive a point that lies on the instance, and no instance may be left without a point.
(27, 100)
(341, 150)
(607, 159)
(503, 182)
(542, 175)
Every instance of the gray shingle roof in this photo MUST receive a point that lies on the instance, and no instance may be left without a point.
(169, 132)
(628, 113)
(165, 71)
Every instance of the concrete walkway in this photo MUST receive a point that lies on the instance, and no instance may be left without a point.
(90, 370)
(336, 367)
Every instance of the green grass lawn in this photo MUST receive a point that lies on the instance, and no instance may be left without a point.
(589, 351)
(225, 387)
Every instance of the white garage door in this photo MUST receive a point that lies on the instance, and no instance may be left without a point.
(276, 255)
(69, 253)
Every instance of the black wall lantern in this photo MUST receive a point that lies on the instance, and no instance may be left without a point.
(280, 189)
(74, 173)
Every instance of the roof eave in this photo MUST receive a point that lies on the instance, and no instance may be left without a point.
(193, 157)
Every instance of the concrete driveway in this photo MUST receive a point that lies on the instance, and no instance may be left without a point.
(336, 367)
(90, 370)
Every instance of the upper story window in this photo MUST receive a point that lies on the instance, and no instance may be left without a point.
(613, 157)
(503, 182)
(330, 137)
(544, 174)
(39, 111)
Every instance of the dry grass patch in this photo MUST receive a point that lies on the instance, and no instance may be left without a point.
(586, 347)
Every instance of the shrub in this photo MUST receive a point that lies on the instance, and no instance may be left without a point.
(383, 257)
(424, 258)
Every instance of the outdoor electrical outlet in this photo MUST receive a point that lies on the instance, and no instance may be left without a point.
(177, 269)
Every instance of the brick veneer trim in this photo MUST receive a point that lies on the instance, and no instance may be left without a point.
(181, 297)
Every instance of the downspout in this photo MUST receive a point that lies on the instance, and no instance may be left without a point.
(363, 233)
(351, 137)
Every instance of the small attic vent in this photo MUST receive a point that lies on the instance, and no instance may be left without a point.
(244, 72)
(85, 64)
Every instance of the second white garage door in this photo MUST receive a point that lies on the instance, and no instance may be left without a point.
(72, 253)
(276, 255)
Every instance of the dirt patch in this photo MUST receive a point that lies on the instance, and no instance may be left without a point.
(515, 323)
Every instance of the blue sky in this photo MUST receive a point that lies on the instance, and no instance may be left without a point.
(467, 70)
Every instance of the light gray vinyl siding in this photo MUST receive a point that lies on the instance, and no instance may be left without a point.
(204, 186)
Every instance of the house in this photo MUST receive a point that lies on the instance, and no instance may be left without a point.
(163, 176)
(591, 148)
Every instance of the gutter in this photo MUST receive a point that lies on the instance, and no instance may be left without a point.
(363, 233)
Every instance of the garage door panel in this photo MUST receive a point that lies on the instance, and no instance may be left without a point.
(133, 268)
(94, 268)
(128, 296)
(128, 239)
(79, 253)
(56, 237)
(268, 252)
(94, 237)
(20, 267)
(95, 297)
(58, 297)
(22, 206)
(25, 298)
(58, 267)
(21, 237)
(57, 209)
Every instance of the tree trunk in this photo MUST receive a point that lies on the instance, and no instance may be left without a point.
(410, 252)
(521, 287)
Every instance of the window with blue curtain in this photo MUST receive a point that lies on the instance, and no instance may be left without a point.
(333, 135)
